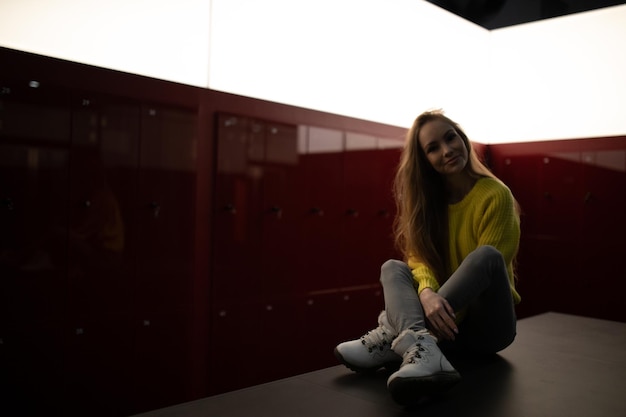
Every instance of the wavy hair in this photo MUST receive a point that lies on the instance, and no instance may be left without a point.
(421, 223)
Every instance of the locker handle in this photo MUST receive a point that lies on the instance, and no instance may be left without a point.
(277, 211)
(352, 213)
(156, 209)
(588, 197)
(7, 203)
(383, 213)
(230, 208)
(317, 210)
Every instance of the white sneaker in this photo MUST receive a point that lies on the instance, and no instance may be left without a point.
(425, 371)
(372, 351)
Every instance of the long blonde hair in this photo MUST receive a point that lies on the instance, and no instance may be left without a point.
(421, 223)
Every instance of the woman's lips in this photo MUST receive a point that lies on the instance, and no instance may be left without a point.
(452, 160)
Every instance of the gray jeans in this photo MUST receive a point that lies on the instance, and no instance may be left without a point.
(480, 285)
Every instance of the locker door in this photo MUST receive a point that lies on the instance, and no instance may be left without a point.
(101, 256)
(560, 180)
(560, 212)
(361, 171)
(237, 213)
(603, 194)
(165, 210)
(235, 341)
(322, 210)
(163, 361)
(96, 362)
(520, 171)
(34, 139)
(103, 186)
(383, 247)
(279, 216)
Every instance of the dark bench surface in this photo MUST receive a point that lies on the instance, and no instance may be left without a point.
(559, 365)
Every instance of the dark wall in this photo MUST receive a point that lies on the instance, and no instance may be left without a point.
(157, 239)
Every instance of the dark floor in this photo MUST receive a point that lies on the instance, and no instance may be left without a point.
(559, 365)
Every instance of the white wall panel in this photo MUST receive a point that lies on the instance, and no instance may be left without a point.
(158, 38)
(380, 60)
(559, 78)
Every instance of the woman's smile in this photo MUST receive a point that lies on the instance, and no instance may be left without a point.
(453, 160)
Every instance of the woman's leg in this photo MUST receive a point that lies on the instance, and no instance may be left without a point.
(402, 305)
(424, 370)
(481, 284)
(403, 311)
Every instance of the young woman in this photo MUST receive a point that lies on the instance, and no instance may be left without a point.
(458, 229)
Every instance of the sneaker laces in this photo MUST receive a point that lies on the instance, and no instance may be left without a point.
(417, 352)
(377, 339)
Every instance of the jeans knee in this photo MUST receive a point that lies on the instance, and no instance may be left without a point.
(488, 253)
(392, 269)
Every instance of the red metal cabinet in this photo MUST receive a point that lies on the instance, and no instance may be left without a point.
(368, 223)
(165, 236)
(299, 226)
(96, 377)
(560, 182)
(602, 248)
(34, 137)
(236, 215)
(320, 213)
(235, 345)
(279, 214)
(360, 212)
(103, 187)
(97, 208)
(165, 209)
(570, 193)
(161, 362)
(255, 241)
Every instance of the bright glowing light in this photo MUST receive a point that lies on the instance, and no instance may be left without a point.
(379, 60)
(159, 38)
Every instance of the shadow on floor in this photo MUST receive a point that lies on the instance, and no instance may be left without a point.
(482, 391)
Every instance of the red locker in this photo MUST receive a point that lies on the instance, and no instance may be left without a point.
(280, 241)
(603, 196)
(97, 355)
(34, 139)
(236, 215)
(165, 209)
(320, 212)
(235, 344)
(103, 186)
(321, 209)
(161, 364)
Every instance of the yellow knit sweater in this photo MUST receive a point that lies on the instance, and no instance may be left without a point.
(486, 216)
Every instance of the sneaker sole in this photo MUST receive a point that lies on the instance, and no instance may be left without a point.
(413, 390)
(359, 369)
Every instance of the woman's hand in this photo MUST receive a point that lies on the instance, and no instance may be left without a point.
(439, 314)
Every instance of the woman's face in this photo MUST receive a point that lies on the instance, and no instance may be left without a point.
(443, 147)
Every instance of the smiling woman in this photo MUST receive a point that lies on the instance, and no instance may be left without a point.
(458, 229)
(447, 154)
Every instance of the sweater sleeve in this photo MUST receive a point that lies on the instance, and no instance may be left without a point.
(423, 276)
(499, 225)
